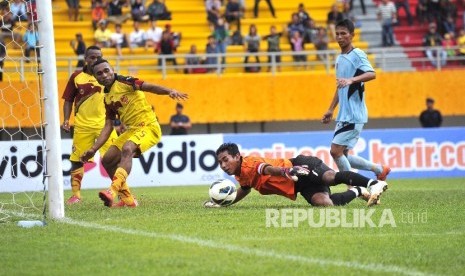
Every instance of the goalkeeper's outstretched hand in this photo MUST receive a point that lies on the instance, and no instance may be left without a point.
(294, 172)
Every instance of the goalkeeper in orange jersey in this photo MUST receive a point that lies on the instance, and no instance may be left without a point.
(125, 97)
(306, 175)
(86, 94)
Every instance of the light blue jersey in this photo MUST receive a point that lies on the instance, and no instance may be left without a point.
(352, 107)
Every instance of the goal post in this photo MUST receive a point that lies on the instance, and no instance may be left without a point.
(53, 167)
(31, 170)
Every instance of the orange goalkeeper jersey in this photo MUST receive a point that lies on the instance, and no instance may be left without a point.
(127, 100)
(266, 184)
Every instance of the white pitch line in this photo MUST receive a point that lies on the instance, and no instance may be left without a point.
(246, 250)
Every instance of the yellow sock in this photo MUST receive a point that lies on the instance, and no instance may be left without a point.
(76, 178)
(118, 179)
(125, 194)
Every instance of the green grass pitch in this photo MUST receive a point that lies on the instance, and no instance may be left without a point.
(170, 233)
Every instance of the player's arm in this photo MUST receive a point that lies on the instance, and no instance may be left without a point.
(68, 97)
(242, 192)
(101, 139)
(291, 173)
(328, 116)
(67, 108)
(161, 90)
(367, 76)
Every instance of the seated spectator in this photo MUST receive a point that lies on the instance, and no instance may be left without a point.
(136, 37)
(302, 13)
(18, 10)
(31, 39)
(119, 40)
(115, 12)
(138, 11)
(102, 36)
(233, 13)
(166, 47)
(98, 13)
(298, 47)
(153, 35)
(430, 117)
(192, 58)
(273, 40)
(175, 36)
(333, 17)
(321, 42)
(295, 26)
(252, 45)
(213, 8)
(158, 11)
(210, 48)
(79, 48)
(433, 39)
(310, 31)
(448, 43)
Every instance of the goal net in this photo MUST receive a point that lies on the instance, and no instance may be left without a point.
(30, 157)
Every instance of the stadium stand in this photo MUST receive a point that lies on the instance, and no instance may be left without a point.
(189, 18)
(407, 55)
(412, 36)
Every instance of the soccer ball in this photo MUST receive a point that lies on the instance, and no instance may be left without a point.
(223, 192)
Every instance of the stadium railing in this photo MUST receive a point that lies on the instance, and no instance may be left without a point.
(319, 61)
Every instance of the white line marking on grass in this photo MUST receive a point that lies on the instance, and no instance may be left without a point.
(245, 250)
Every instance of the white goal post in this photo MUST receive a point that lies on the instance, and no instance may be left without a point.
(54, 170)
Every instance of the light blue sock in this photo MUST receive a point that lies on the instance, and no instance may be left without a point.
(363, 164)
(343, 163)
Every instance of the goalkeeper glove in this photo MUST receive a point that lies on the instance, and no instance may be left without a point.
(210, 204)
(294, 172)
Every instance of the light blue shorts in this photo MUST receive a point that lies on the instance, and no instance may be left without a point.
(347, 134)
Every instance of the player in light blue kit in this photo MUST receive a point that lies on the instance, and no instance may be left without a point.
(352, 71)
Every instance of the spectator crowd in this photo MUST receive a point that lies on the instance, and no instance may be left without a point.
(109, 18)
